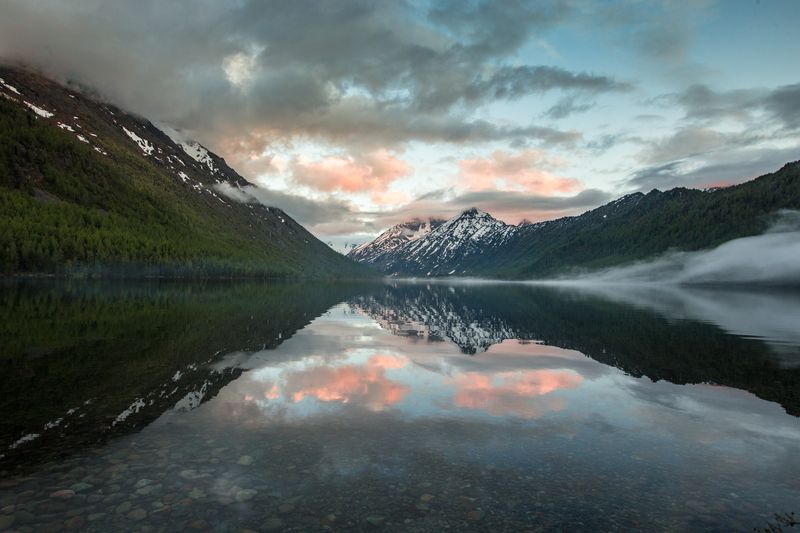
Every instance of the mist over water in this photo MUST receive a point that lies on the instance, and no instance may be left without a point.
(772, 258)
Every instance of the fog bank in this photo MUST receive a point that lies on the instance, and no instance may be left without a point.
(772, 258)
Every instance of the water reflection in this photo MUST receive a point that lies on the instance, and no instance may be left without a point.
(404, 407)
(83, 361)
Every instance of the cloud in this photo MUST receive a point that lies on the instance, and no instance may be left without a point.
(346, 72)
(522, 171)
(686, 142)
(310, 213)
(661, 31)
(509, 206)
(371, 173)
(700, 102)
(567, 106)
(784, 105)
(726, 166)
(514, 393)
(763, 259)
(366, 385)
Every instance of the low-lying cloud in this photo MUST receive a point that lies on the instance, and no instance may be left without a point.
(767, 259)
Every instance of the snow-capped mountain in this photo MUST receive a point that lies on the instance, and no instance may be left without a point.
(634, 227)
(448, 249)
(373, 251)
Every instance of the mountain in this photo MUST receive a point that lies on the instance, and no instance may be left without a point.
(87, 188)
(634, 227)
(448, 249)
(394, 237)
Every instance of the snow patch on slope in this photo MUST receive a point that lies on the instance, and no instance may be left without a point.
(144, 144)
(9, 87)
(197, 152)
(192, 148)
(39, 111)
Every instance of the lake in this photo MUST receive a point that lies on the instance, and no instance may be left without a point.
(396, 406)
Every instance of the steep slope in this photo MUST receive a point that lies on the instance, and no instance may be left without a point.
(88, 188)
(634, 227)
(372, 252)
(639, 226)
(450, 249)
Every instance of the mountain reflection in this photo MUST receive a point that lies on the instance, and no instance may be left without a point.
(678, 335)
(84, 361)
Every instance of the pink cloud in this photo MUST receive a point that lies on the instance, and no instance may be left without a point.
(365, 384)
(514, 393)
(524, 171)
(370, 173)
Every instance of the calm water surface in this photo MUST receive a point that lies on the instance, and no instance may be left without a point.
(406, 407)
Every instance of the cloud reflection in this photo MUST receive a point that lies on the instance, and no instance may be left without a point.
(361, 384)
(514, 393)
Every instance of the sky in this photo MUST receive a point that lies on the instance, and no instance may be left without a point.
(355, 115)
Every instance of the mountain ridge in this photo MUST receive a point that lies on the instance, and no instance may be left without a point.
(633, 227)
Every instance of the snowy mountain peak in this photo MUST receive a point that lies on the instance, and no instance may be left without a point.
(393, 238)
(436, 249)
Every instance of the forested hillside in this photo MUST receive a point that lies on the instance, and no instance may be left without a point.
(88, 189)
(640, 225)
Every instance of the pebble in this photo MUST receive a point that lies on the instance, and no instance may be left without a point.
(81, 486)
(143, 483)
(137, 514)
(123, 508)
(286, 508)
(196, 494)
(426, 497)
(25, 496)
(474, 515)
(24, 517)
(375, 520)
(272, 524)
(6, 521)
(76, 522)
(63, 494)
(245, 460)
(245, 495)
(95, 516)
(198, 524)
(148, 489)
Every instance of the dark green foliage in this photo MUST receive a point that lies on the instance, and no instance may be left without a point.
(643, 225)
(67, 209)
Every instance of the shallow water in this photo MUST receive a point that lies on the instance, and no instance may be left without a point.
(413, 407)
